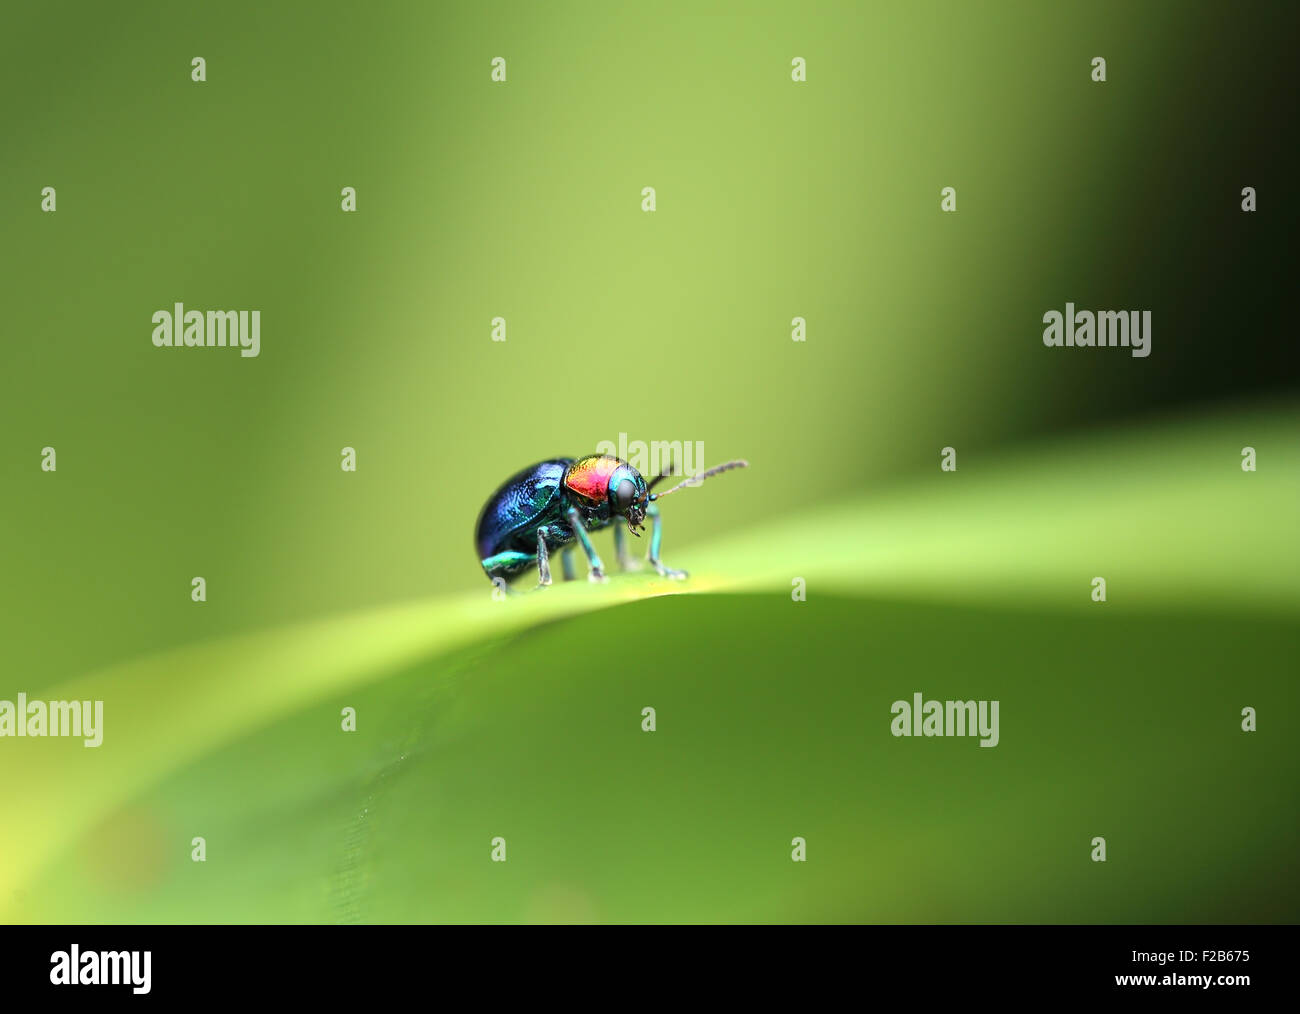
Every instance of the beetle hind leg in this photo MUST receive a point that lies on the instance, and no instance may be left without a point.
(507, 564)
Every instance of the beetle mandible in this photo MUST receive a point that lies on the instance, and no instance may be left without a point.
(547, 505)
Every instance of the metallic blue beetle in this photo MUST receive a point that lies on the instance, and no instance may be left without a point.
(548, 505)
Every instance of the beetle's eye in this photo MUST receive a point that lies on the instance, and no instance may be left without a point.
(624, 493)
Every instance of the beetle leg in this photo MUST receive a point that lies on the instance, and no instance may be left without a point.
(543, 560)
(597, 572)
(626, 561)
(656, 537)
(507, 563)
(566, 562)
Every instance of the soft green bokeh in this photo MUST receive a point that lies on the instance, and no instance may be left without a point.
(522, 200)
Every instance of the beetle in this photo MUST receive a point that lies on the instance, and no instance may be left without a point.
(549, 505)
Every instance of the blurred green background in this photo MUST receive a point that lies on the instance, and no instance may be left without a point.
(775, 200)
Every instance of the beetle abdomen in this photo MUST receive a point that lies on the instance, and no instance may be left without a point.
(519, 503)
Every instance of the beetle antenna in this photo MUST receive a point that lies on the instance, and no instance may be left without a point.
(695, 480)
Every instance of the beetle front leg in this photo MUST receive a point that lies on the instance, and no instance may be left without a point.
(566, 563)
(656, 537)
(597, 572)
(625, 559)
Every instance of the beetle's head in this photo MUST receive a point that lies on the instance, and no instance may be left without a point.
(628, 496)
